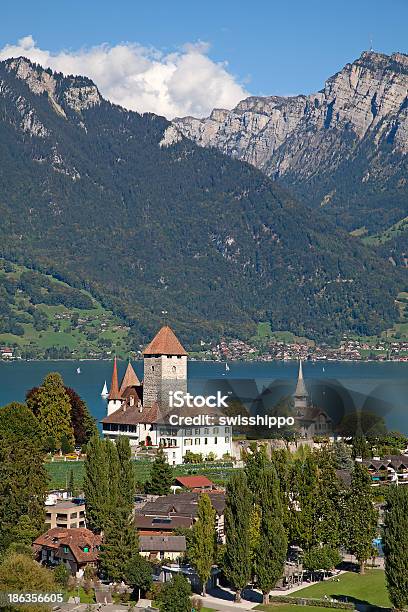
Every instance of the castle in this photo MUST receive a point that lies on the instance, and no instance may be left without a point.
(135, 408)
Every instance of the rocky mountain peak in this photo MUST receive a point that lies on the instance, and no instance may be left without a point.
(75, 92)
(360, 113)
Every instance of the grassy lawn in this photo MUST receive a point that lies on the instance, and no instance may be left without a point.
(84, 597)
(369, 588)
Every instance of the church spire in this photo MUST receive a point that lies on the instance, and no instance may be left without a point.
(114, 388)
(300, 386)
(130, 379)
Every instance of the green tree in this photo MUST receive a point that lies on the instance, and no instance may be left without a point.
(175, 595)
(138, 574)
(61, 575)
(54, 410)
(328, 501)
(97, 485)
(237, 559)
(360, 516)
(161, 476)
(120, 536)
(20, 573)
(342, 453)
(395, 544)
(203, 545)
(273, 542)
(23, 478)
(303, 495)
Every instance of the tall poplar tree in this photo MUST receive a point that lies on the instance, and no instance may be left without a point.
(120, 537)
(237, 559)
(203, 545)
(303, 487)
(54, 410)
(273, 543)
(395, 544)
(97, 484)
(361, 517)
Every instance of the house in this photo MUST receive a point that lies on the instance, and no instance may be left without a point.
(65, 515)
(76, 548)
(161, 525)
(6, 353)
(141, 411)
(390, 469)
(159, 547)
(197, 484)
(186, 505)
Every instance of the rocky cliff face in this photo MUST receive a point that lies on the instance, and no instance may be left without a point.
(359, 119)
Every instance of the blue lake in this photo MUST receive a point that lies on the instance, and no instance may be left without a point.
(384, 384)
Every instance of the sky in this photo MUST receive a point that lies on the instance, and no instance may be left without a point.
(177, 57)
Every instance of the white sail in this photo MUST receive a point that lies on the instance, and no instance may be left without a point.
(226, 367)
(105, 391)
(78, 370)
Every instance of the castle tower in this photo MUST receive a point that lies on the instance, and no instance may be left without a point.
(165, 368)
(301, 395)
(114, 397)
(129, 379)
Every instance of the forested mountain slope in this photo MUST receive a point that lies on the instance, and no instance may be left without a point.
(121, 205)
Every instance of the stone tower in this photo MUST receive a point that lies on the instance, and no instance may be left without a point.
(165, 368)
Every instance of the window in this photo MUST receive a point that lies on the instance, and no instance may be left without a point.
(215, 440)
(86, 549)
(205, 440)
(188, 432)
(65, 549)
(152, 368)
(227, 439)
(215, 430)
(206, 430)
(197, 432)
(174, 369)
(187, 442)
(197, 441)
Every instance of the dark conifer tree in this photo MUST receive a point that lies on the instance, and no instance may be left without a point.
(396, 546)
(237, 559)
(273, 542)
(161, 476)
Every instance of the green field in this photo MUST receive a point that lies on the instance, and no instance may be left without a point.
(77, 332)
(369, 588)
(59, 472)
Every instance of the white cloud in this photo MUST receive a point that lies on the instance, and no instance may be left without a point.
(186, 82)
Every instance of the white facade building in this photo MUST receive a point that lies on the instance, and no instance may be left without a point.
(136, 410)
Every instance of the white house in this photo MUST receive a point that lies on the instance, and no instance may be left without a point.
(136, 409)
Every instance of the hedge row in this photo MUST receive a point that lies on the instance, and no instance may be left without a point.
(304, 601)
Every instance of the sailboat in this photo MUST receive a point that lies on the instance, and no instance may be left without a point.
(227, 369)
(78, 370)
(105, 392)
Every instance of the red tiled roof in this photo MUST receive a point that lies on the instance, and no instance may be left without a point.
(194, 482)
(131, 415)
(114, 388)
(76, 539)
(130, 379)
(165, 342)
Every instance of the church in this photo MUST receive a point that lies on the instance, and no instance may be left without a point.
(310, 420)
(135, 408)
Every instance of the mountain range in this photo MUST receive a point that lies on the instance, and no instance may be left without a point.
(128, 208)
(342, 149)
